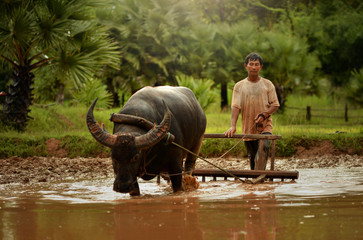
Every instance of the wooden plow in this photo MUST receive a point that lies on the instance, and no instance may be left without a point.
(257, 175)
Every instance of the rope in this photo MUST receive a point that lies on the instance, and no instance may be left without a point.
(224, 154)
(202, 158)
(187, 150)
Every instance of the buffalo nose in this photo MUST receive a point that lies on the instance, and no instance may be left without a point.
(121, 187)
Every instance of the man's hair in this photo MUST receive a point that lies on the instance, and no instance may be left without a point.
(253, 57)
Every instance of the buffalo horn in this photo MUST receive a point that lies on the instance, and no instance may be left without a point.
(97, 132)
(156, 134)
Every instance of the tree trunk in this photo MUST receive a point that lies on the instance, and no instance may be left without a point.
(19, 99)
(281, 97)
(224, 96)
(111, 89)
(59, 98)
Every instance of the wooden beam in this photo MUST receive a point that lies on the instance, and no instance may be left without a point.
(273, 147)
(247, 173)
(249, 136)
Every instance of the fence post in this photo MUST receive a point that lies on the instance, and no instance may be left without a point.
(346, 113)
(308, 113)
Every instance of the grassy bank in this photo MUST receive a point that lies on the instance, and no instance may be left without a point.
(66, 126)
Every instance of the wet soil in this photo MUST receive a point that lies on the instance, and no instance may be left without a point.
(58, 167)
(54, 169)
(51, 169)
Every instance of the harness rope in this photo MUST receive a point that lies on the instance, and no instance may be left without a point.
(143, 171)
(202, 158)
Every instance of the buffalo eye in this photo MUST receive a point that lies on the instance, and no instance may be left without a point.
(135, 157)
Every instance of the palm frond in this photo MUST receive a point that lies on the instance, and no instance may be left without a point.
(203, 89)
(90, 90)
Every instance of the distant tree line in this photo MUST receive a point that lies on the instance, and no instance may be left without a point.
(308, 46)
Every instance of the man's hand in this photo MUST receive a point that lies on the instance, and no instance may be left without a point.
(230, 132)
(234, 117)
(261, 117)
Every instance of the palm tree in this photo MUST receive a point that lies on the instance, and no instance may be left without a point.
(232, 43)
(151, 35)
(289, 65)
(216, 51)
(61, 33)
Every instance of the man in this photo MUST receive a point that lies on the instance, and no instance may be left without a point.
(256, 98)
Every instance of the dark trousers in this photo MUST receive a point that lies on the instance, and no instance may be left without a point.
(252, 149)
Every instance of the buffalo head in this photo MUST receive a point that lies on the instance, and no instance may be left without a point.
(127, 149)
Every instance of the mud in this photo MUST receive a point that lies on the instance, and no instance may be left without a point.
(42, 169)
(54, 169)
(64, 198)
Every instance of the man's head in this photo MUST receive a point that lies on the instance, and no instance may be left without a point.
(253, 57)
(253, 65)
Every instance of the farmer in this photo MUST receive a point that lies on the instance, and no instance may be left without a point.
(256, 98)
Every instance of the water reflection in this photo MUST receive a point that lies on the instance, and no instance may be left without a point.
(323, 204)
(173, 219)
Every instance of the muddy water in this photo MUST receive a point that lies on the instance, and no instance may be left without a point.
(322, 204)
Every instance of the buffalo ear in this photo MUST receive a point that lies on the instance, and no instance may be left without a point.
(131, 119)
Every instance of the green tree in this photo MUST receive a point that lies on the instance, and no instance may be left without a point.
(221, 11)
(230, 46)
(152, 36)
(353, 92)
(289, 65)
(61, 33)
(90, 90)
(202, 88)
(334, 31)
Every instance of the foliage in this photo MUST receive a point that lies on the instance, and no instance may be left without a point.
(221, 11)
(334, 32)
(151, 36)
(203, 89)
(216, 51)
(90, 90)
(354, 90)
(68, 125)
(22, 147)
(217, 147)
(289, 65)
(75, 146)
(72, 39)
(308, 46)
(44, 89)
(60, 33)
(291, 35)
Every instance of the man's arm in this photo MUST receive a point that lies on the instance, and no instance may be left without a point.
(270, 110)
(234, 118)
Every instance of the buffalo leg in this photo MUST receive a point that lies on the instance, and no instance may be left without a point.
(177, 183)
(190, 160)
(176, 174)
(135, 190)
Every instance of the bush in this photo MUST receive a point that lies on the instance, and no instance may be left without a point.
(202, 88)
(354, 90)
(90, 90)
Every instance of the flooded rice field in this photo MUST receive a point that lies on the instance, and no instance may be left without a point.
(324, 203)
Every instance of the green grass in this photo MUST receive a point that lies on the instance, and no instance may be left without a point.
(68, 125)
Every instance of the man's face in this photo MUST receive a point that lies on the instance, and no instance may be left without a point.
(253, 67)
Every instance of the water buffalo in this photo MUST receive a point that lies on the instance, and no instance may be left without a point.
(139, 147)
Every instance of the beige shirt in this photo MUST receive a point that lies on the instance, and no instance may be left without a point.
(252, 99)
